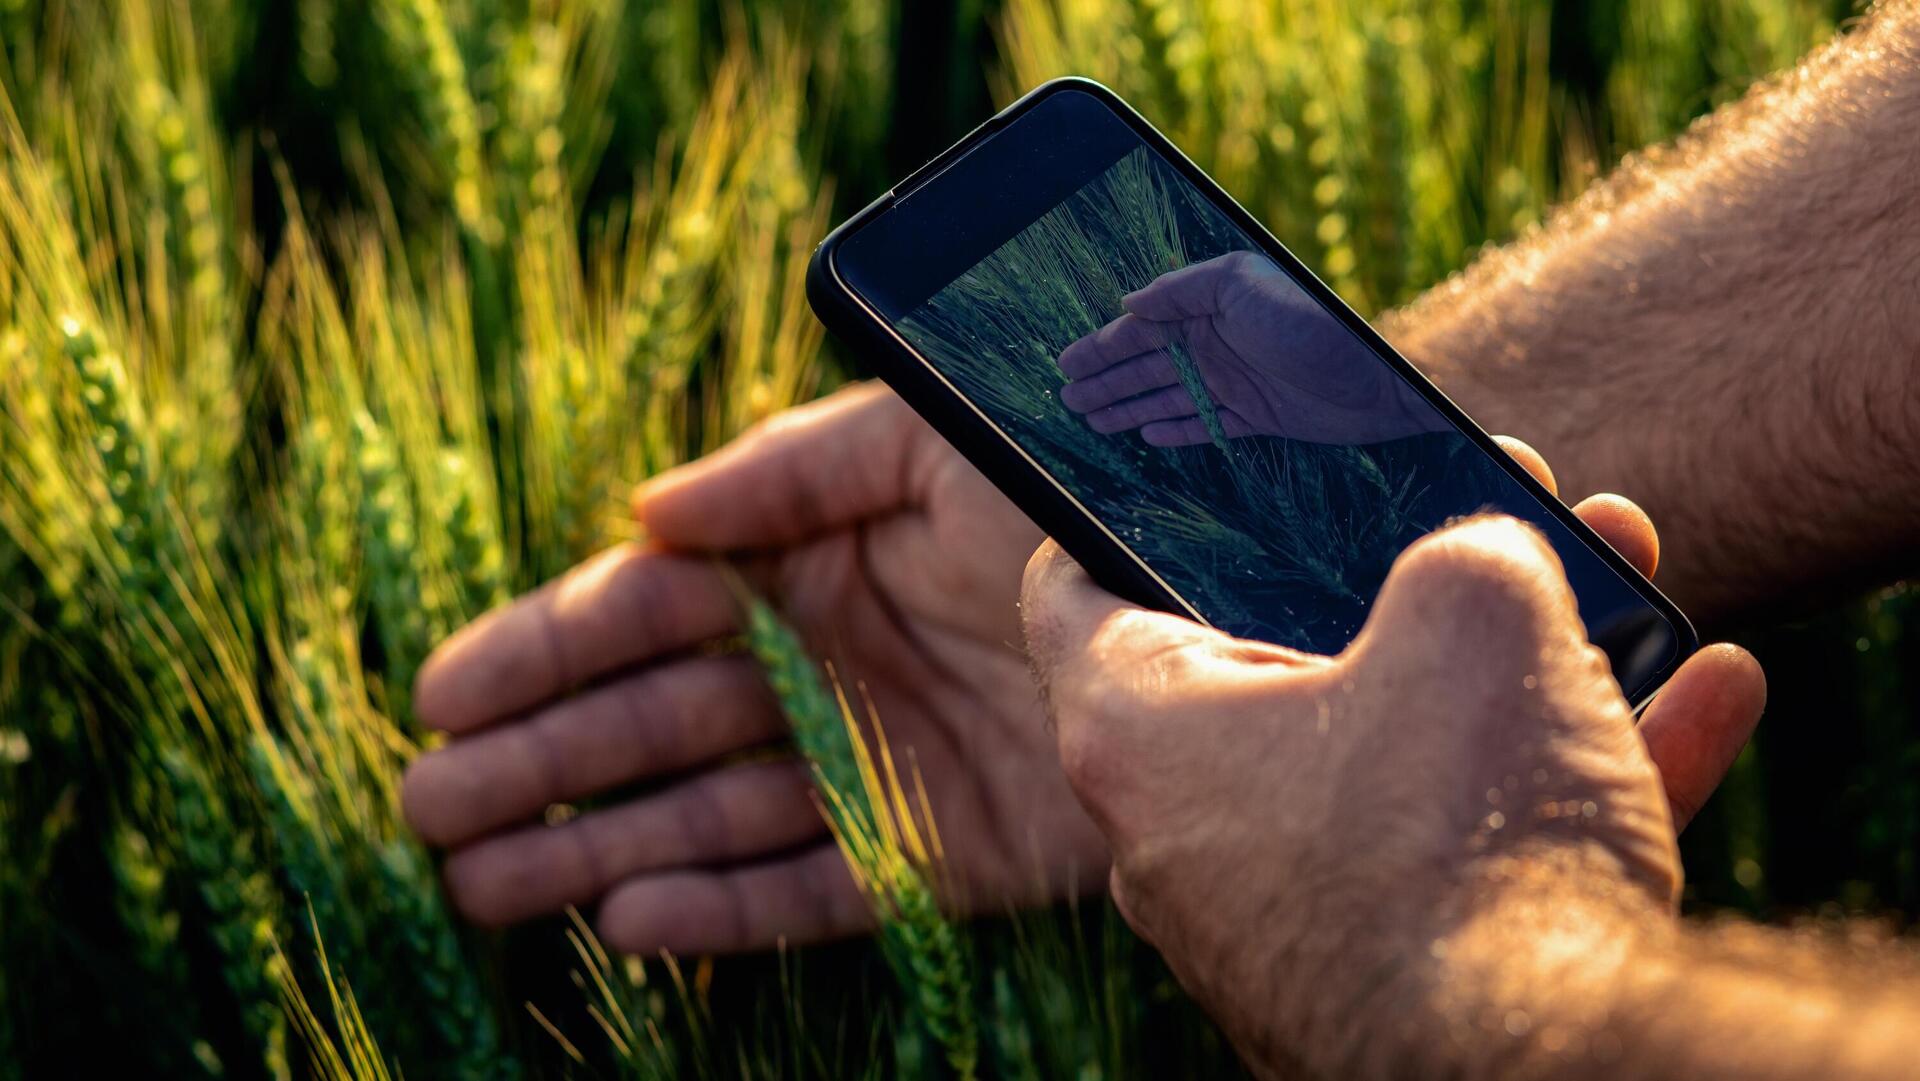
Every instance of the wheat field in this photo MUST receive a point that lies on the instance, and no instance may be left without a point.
(326, 325)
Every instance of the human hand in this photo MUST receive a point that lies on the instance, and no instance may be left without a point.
(1274, 362)
(893, 556)
(1296, 833)
(880, 542)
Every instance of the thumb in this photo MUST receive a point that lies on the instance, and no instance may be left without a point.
(1109, 674)
(1064, 614)
(1488, 592)
(1187, 293)
(852, 455)
(1083, 641)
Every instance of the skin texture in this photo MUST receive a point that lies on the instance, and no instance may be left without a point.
(896, 559)
(1368, 783)
(1324, 869)
(1448, 850)
(1728, 328)
(1446, 853)
(864, 527)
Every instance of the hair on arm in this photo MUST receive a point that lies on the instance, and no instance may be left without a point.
(1726, 328)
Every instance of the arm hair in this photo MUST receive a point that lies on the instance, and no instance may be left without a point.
(1547, 979)
(1728, 329)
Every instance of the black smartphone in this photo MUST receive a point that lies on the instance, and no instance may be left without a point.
(1169, 393)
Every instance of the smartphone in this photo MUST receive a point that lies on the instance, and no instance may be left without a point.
(1170, 394)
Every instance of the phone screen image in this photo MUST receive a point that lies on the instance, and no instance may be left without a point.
(1256, 454)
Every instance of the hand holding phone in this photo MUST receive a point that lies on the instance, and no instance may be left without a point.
(1172, 396)
(894, 557)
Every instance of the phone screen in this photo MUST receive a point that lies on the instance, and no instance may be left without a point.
(1231, 430)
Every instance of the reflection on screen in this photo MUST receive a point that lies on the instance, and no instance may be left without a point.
(1254, 453)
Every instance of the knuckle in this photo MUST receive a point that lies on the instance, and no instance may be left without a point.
(815, 890)
(778, 426)
(644, 592)
(654, 717)
(1128, 633)
(1171, 673)
(1494, 566)
(1138, 658)
(769, 432)
(735, 918)
(700, 820)
(542, 746)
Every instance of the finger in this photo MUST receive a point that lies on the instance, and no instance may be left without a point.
(1530, 460)
(1187, 293)
(1127, 336)
(851, 455)
(735, 814)
(1192, 431)
(658, 721)
(1083, 641)
(1111, 674)
(1141, 374)
(1618, 520)
(1169, 403)
(626, 605)
(1189, 432)
(1622, 524)
(1490, 586)
(1698, 723)
(797, 900)
(1061, 609)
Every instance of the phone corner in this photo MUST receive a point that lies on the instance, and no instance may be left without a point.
(1686, 642)
(1062, 84)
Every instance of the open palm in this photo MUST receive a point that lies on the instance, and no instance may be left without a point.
(896, 560)
(1273, 361)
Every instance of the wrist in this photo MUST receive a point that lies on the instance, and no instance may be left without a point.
(1547, 977)
(1529, 976)
(1517, 974)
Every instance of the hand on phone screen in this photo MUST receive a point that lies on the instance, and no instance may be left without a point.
(1272, 361)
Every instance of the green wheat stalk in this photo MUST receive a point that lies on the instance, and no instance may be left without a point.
(891, 855)
(238, 900)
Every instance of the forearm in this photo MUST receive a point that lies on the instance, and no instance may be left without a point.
(1544, 982)
(1728, 330)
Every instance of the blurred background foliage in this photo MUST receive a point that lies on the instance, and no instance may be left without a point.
(326, 324)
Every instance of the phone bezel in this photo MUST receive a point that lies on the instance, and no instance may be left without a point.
(852, 319)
